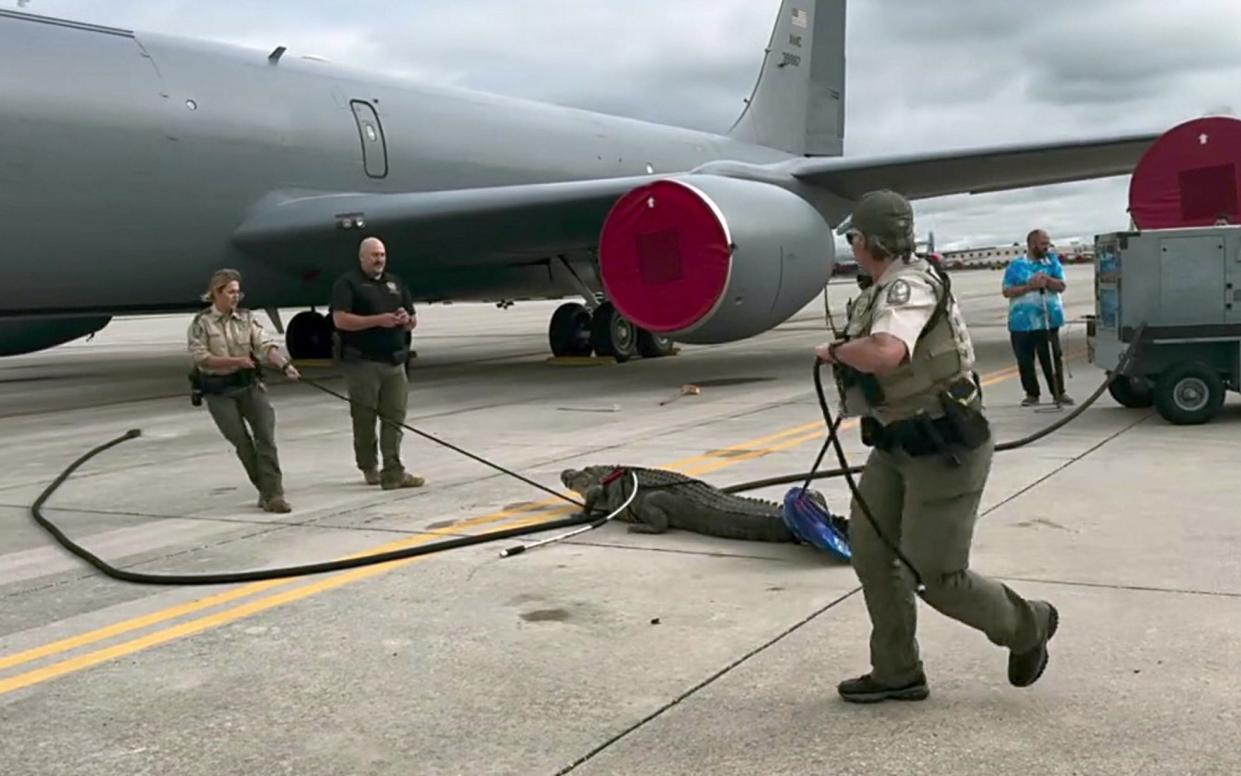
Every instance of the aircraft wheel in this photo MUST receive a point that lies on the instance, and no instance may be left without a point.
(612, 335)
(652, 345)
(309, 335)
(569, 330)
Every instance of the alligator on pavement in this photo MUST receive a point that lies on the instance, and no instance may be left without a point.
(670, 500)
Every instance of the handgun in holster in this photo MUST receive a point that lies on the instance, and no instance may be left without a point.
(961, 406)
(196, 388)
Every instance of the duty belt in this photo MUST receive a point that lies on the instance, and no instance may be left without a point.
(352, 353)
(243, 378)
(961, 427)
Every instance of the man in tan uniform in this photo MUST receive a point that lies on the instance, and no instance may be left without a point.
(226, 344)
(905, 366)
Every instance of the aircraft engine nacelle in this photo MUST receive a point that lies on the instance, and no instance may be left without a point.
(20, 336)
(705, 259)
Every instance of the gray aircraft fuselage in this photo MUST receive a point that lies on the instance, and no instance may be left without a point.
(126, 164)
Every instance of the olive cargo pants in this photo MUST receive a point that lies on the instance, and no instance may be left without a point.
(231, 411)
(928, 508)
(384, 386)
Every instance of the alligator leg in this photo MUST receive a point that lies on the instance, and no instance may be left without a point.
(651, 518)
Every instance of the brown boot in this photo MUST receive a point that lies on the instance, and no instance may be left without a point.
(405, 480)
(276, 504)
(372, 476)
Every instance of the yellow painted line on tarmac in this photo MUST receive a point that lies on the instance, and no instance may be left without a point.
(695, 465)
(191, 627)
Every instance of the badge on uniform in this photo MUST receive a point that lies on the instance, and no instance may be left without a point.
(392, 286)
(898, 293)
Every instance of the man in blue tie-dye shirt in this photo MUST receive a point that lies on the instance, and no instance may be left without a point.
(1033, 284)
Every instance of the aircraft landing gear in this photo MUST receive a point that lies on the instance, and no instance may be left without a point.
(654, 345)
(612, 335)
(576, 332)
(309, 336)
(569, 330)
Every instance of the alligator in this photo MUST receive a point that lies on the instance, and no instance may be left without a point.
(670, 500)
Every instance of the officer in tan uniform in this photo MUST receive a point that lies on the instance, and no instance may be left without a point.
(226, 344)
(905, 366)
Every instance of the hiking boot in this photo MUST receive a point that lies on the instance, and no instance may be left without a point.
(275, 504)
(372, 476)
(405, 480)
(864, 689)
(1029, 401)
(1024, 668)
(1064, 399)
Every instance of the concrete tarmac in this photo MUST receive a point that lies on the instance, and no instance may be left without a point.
(612, 652)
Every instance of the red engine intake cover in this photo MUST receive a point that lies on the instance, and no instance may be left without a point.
(1189, 176)
(664, 256)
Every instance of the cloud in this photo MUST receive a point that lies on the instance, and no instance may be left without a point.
(922, 76)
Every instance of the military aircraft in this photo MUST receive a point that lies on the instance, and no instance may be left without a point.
(133, 164)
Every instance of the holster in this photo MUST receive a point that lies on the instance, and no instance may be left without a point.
(961, 403)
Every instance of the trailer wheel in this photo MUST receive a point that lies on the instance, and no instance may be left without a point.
(1132, 392)
(1189, 393)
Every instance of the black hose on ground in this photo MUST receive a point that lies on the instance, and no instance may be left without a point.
(225, 578)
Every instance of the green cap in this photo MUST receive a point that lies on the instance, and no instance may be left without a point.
(884, 214)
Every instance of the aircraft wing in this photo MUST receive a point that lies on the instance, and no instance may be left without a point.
(476, 226)
(975, 171)
(528, 222)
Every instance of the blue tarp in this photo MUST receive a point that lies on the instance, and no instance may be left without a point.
(811, 522)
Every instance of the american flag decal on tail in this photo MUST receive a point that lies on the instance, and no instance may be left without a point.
(800, 18)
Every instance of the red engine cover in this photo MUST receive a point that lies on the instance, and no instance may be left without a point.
(664, 256)
(1189, 176)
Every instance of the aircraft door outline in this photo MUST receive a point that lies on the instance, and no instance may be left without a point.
(371, 133)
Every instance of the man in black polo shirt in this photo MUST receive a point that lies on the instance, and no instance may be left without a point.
(373, 313)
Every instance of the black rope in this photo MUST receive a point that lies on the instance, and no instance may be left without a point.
(449, 445)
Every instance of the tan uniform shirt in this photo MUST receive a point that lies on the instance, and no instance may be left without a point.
(213, 333)
(901, 304)
(903, 308)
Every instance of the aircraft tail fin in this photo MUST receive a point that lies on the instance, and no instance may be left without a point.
(798, 104)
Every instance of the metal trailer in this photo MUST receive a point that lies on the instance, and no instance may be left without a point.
(1185, 286)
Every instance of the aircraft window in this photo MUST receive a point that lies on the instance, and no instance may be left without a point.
(370, 132)
(191, 105)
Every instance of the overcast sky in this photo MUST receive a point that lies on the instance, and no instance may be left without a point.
(928, 75)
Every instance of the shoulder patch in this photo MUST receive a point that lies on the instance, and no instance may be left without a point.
(898, 293)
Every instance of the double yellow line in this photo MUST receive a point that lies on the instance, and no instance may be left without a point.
(529, 514)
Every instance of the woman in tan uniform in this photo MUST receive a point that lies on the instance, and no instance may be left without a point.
(226, 344)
